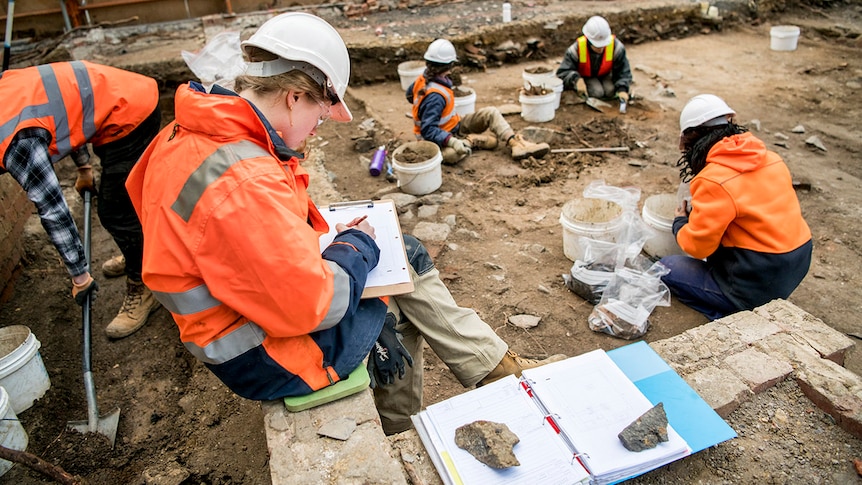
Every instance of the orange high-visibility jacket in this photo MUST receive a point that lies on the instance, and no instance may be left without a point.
(747, 221)
(78, 102)
(231, 250)
(449, 119)
(584, 68)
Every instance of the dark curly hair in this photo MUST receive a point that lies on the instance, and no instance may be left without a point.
(697, 142)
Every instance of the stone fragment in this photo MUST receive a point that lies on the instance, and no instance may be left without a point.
(339, 429)
(647, 431)
(798, 129)
(489, 442)
(815, 141)
(524, 321)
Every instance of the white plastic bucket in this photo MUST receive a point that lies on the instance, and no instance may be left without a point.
(596, 219)
(465, 105)
(538, 108)
(22, 372)
(658, 213)
(556, 85)
(12, 434)
(408, 72)
(783, 37)
(537, 78)
(421, 177)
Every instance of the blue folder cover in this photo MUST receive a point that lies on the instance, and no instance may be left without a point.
(698, 424)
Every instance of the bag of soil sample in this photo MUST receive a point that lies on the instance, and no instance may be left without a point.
(628, 300)
(589, 278)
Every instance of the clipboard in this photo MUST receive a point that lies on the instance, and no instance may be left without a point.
(391, 276)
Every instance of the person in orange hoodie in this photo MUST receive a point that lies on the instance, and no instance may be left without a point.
(746, 239)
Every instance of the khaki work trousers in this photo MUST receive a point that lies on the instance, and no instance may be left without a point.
(477, 122)
(462, 340)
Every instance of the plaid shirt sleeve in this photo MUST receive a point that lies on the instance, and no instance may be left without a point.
(29, 163)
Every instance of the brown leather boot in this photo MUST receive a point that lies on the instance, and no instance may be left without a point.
(522, 148)
(482, 142)
(513, 363)
(137, 306)
(114, 267)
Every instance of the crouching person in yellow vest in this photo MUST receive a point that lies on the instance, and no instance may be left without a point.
(596, 65)
(435, 119)
(232, 242)
(54, 110)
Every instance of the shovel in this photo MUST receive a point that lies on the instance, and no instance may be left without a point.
(106, 425)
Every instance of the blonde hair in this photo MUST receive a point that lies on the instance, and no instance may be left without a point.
(296, 79)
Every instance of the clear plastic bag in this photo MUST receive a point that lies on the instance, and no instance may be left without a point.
(628, 300)
(220, 61)
(588, 278)
(626, 197)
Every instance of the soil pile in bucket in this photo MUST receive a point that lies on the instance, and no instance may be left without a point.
(461, 92)
(410, 155)
(538, 70)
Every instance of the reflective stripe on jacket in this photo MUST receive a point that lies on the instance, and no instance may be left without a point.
(584, 68)
(232, 251)
(76, 102)
(449, 119)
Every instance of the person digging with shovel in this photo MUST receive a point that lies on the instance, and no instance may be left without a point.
(55, 110)
(435, 119)
(596, 65)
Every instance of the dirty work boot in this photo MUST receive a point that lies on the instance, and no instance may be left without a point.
(482, 142)
(114, 267)
(137, 306)
(513, 363)
(522, 148)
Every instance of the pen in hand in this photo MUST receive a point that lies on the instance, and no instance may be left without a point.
(355, 222)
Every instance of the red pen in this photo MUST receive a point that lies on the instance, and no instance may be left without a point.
(357, 221)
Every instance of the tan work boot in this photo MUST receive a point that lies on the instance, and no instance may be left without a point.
(482, 142)
(522, 148)
(114, 267)
(513, 363)
(137, 306)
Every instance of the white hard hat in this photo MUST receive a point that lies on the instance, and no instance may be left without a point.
(597, 31)
(441, 51)
(704, 110)
(308, 43)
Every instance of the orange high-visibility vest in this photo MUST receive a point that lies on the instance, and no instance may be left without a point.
(77, 102)
(584, 67)
(449, 119)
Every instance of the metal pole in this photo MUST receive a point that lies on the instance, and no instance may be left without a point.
(7, 45)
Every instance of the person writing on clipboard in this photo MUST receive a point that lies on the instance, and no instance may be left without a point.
(232, 242)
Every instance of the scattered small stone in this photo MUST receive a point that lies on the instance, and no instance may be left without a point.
(815, 141)
(798, 129)
(635, 163)
(339, 429)
(647, 431)
(755, 124)
(427, 211)
(544, 289)
(489, 442)
(493, 266)
(781, 136)
(525, 321)
(781, 144)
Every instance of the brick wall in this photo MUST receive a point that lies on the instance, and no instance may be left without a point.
(14, 211)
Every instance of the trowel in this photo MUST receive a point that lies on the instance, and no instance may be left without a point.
(596, 103)
(105, 425)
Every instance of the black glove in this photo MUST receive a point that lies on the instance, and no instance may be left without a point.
(81, 292)
(388, 355)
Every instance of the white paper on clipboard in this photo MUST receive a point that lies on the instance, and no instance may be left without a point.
(391, 276)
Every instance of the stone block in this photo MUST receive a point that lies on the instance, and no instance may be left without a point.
(298, 454)
(683, 354)
(830, 343)
(718, 336)
(750, 326)
(760, 371)
(720, 388)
